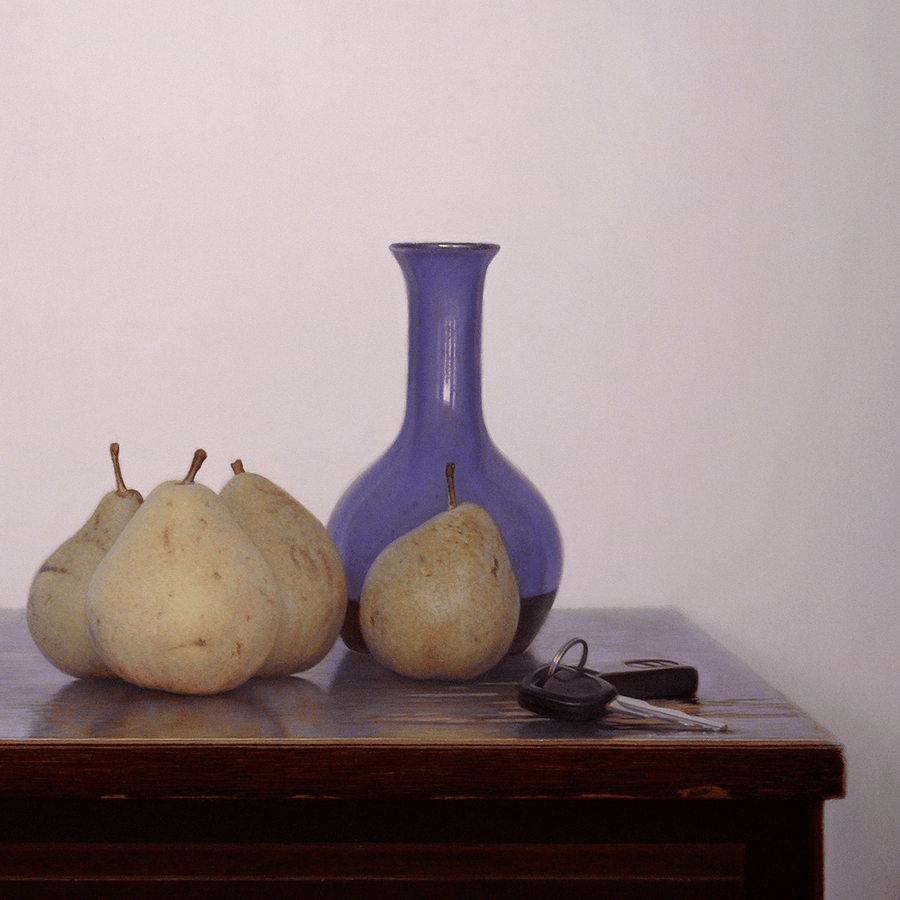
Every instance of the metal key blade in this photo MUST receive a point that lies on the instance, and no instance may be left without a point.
(644, 710)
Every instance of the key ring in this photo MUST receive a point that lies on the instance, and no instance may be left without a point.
(554, 665)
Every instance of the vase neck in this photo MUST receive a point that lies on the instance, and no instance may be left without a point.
(445, 286)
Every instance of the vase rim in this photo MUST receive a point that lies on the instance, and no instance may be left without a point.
(431, 246)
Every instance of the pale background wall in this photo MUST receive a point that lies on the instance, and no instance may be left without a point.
(690, 332)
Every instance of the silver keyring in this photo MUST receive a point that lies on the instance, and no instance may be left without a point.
(563, 651)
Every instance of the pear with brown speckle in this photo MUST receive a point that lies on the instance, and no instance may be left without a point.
(305, 562)
(184, 602)
(441, 602)
(55, 609)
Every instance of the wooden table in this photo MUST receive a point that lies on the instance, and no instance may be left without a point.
(351, 777)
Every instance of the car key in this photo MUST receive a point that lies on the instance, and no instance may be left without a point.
(652, 679)
(580, 694)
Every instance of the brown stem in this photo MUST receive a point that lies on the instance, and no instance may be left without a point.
(237, 467)
(451, 486)
(197, 461)
(121, 490)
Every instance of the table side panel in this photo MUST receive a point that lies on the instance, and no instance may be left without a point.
(504, 769)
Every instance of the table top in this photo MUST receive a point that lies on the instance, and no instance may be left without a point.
(350, 729)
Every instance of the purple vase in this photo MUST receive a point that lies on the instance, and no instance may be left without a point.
(444, 423)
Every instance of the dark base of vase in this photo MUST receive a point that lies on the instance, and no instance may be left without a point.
(533, 612)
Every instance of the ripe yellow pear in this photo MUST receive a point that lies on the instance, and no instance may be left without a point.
(305, 562)
(55, 608)
(184, 602)
(441, 602)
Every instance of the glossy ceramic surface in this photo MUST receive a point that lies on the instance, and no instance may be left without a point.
(443, 423)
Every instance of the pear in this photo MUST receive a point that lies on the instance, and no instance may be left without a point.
(306, 564)
(55, 608)
(441, 601)
(184, 602)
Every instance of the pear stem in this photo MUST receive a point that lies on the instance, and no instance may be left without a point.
(121, 490)
(451, 486)
(197, 461)
(237, 467)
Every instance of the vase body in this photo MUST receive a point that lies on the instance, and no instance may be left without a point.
(444, 423)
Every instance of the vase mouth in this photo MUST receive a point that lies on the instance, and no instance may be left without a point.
(455, 246)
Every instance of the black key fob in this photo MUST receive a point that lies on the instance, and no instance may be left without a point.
(562, 692)
(653, 679)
